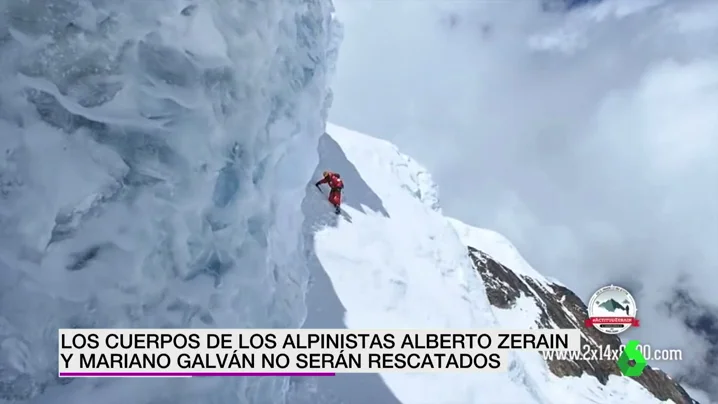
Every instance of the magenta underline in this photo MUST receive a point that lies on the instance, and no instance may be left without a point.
(184, 374)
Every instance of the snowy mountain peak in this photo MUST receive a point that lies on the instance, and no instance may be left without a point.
(391, 259)
(559, 307)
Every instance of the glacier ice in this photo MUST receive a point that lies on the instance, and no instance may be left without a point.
(153, 154)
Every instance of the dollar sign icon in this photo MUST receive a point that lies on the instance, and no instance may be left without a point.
(632, 362)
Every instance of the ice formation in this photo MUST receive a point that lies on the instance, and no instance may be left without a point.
(153, 157)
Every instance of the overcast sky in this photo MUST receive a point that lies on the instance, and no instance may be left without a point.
(590, 139)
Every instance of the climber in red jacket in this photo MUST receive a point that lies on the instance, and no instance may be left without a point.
(335, 185)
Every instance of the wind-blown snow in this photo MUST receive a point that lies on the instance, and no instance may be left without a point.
(153, 156)
(407, 267)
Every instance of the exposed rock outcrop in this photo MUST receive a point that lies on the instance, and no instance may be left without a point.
(559, 307)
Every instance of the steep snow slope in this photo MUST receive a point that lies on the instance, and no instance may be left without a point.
(403, 266)
(395, 261)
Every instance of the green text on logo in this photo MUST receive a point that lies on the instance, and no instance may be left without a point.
(632, 362)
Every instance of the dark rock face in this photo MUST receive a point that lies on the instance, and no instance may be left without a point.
(561, 308)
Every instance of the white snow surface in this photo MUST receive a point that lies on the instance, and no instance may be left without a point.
(411, 270)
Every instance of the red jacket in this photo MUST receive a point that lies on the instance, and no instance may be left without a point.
(333, 180)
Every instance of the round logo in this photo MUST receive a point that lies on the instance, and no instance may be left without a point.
(612, 310)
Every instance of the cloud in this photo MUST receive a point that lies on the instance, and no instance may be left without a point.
(589, 138)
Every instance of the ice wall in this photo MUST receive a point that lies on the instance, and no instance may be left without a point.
(153, 157)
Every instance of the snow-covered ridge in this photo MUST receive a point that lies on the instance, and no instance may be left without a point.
(497, 246)
(394, 261)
